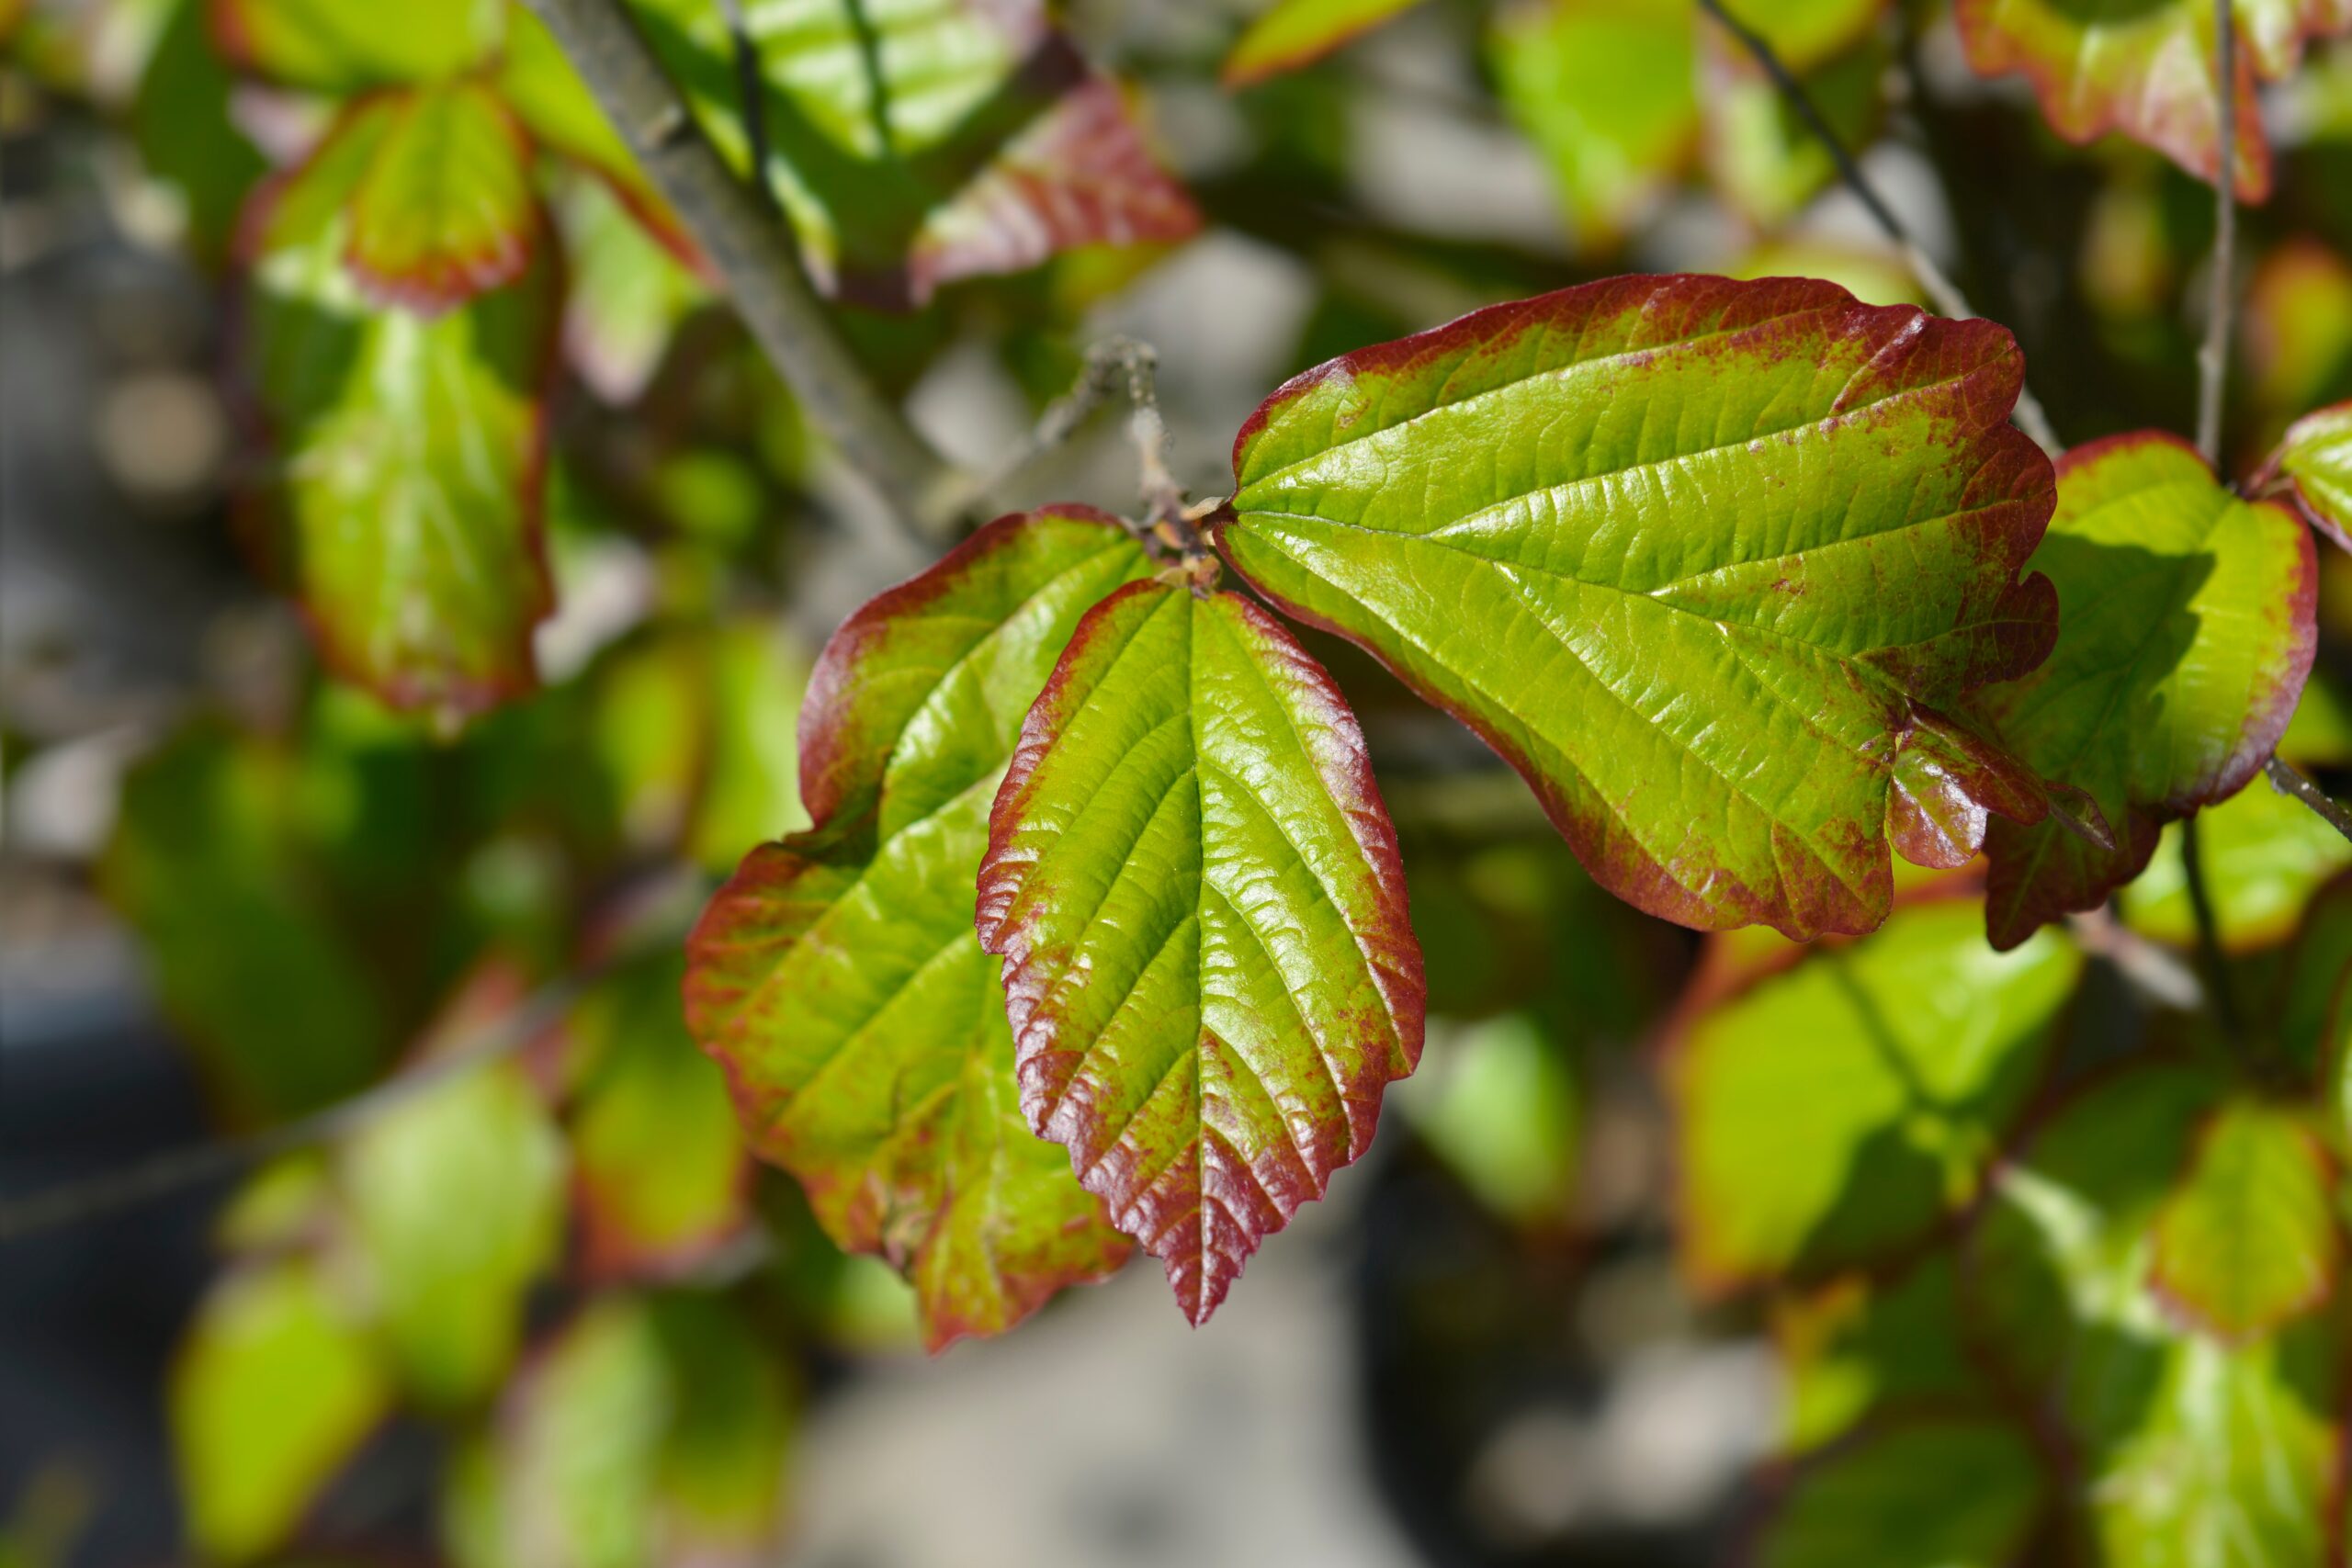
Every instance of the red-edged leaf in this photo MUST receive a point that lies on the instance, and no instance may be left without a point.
(1712, 563)
(1210, 969)
(836, 976)
(343, 46)
(2314, 460)
(2247, 1239)
(445, 210)
(2186, 632)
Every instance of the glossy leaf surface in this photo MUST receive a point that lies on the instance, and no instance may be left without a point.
(2149, 70)
(836, 976)
(406, 509)
(2195, 1451)
(2187, 633)
(1941, 1493)
(2247, 1238)
(1838, 1108)
(1711, 563)
(2316, 459)
(444, 209)
(1292, 33)
(1209, 966)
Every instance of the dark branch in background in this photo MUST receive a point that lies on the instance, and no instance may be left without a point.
(2286, 781)
(176, 1168)
(750, 93)
(2209, 934)
(1945, 294)
(752, 252)
(2214, 359)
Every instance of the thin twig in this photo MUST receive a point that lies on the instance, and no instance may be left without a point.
(2152, 971)
(2286, 780)
(2214, 359)
(757, 263)
(176, 1168)
(1114, 364)
(1941, 290)
(751, 94)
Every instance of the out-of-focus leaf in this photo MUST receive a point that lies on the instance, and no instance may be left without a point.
(1867, 1350)
(274, 1388)
(2315, 1002)
(537, 83)
(836, 976)
(2194, 1451)
(206, 865)
(2186, 632)
(347, 46)
(626, 295)
(1606, 90)
(186, 138)
(406, 514)
(2247, 1239)
(456, 1205)
(1841, 1108)
(1765, 160)
(1873, 276)
(446, 209)
(749, 788)
(2296, 340)
(1292, 33)
(2265, 854)
(721, 1469)
(2149, 69)
(2320, 735)
(920, 142)
(1503, 1115)
(662, 1172)
(1638, 534)
(1928, 1493)
(1209, 966)
(2316, 458)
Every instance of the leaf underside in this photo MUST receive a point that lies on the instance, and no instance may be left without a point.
(836, 976)
(2188, 629)
(1209, 962)
(1712, 563)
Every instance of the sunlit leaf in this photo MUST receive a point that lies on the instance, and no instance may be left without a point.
(2149, 70)
(1607, 91)
(1865, 1348)
(1931, 1494)
(1766, 161)
(456, 1206)
(836, 976)
(1712, 563)
(274, 1388)
(753, 678)
(1842, 1107)
(1210, 969)
(2195, 1452)
(1503, 1115)
(537, 84)
(446, 209)
(2186, 631)
(2264, 854)
(625, 297)
(345, 46)
(406, 511)
(2247, 1239)
(919, 141)
(2316, 459)
(1292, 33)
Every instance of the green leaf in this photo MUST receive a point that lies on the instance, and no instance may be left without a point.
(1504, 1116)
(1643, 535)
(187, 137)
(919, 141)
(2196, 1453)
(2186, 632)
(663, 1176)
(1838, 1108)
(1209, 966)
(1765, 160)
(2265, 855)
(2247, 1238)
(273, 1389)
(1867, 1348)
(1606, 90)
(446, 209)
(2315, 460)
(1292, 33)
(842, 960)
(456, 1206)
(2315, 1001)
(755, 679)
(1949, 1493)
(2149, 69)
(345, 46)
(626, 295)
(406, 510)
(536, 81)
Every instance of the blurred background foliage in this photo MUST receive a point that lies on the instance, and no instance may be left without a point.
(1890, 1251)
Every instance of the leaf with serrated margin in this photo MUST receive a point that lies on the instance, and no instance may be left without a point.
(1209, 966)
(347, 46)
(2314, 460)
(2185, 1440)
(1292, 33)
(1833, 1112)
(405, 507)
(836, 978)
(444, 209)
(1950, 1492)
(2187, 630)
(2246, 1238)
(2149, 71)
(1712, 563)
